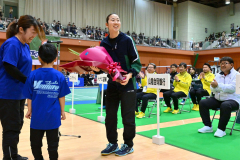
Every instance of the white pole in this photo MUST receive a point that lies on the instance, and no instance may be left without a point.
(102, 100)
(158, 115)
(72, 94)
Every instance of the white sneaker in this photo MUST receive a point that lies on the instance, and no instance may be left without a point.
(219, 133)
(205, 129)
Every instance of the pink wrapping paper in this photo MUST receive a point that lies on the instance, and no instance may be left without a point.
(98, 57)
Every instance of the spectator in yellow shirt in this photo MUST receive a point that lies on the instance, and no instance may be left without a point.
(147, 93)
(181, 85)
(197, 92)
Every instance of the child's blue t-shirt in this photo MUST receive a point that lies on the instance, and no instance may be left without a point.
(17, 54)
(44, 87)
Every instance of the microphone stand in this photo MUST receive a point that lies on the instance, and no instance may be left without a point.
(58, 42)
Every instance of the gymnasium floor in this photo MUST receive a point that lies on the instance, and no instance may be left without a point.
(183, 142)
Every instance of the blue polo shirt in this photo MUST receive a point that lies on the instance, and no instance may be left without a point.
(17, 54)
(44, 87)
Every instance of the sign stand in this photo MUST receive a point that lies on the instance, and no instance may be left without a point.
(159, 81)
(102, 79)
(73, 77)
(238, 84)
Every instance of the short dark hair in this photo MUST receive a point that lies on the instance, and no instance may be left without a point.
(109, 16)
(207, 64)
(192, 68)
(47, 52)
(154, 65)
(183, 64)
(173, 65)
(229, 59)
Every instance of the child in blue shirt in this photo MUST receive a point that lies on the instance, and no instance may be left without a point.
(45, 90)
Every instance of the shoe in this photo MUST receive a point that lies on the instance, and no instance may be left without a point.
(194, 107)
(136, 113)
(22, 158)
(111, 148)
(205, 129)
(197, 107)
(141, 115)
(124, 150)
(103, 107)
(183, 101)
(168, 110)
(175, 111)
(219, 133)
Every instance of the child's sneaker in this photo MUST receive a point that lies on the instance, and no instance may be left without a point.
(124, 150)
(111, 148)
(136, 113)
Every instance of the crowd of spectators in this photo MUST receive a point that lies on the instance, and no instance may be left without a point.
(94, 32)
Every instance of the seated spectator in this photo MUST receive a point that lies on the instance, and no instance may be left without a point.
(182, 82)
(74, 29)
(200, 90)
(147, 93)
(224, 88)
(200, 45)
(192, 71)
(173, 73)
(62, 33)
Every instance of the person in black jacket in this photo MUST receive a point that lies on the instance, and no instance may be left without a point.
(192, 72)
(122, 49)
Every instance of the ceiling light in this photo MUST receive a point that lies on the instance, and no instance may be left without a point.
(227, 2)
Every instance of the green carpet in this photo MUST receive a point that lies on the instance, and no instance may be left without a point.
(91, 111)
(187, 137)
(83, 94)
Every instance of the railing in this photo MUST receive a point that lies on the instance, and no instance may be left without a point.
(78, 33)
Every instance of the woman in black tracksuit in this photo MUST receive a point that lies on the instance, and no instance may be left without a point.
(122, 49)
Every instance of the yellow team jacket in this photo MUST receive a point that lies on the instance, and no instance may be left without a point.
(184, 84)
(149, 90)
(207, 81)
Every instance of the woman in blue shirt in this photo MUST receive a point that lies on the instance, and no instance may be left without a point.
(122, 49)
(15, 67)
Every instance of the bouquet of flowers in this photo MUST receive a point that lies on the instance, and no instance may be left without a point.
(97, 57)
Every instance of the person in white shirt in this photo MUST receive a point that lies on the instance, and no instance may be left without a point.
(224, 89)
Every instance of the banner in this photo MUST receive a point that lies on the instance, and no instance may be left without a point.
(36, 43)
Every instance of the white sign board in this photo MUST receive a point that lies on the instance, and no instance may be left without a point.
(238, 84)
(73, 77)
(102, 79)
(161, 81)
(216, 59)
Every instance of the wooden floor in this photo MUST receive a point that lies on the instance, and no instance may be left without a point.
(93, 140)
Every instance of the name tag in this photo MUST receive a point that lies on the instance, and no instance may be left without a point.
(144, 89)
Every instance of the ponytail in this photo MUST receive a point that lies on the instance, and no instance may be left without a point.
(25, 21)
(12, 29)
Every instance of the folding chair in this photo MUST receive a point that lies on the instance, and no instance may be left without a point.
(186, 98)
(154, 105)
(237, 111)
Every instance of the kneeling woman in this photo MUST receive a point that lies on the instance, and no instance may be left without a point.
(147, 93)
